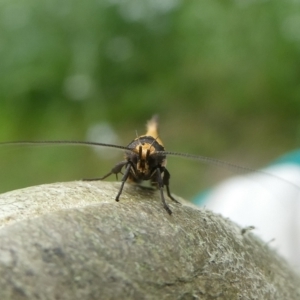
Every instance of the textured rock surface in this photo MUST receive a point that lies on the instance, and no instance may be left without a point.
(73, 241)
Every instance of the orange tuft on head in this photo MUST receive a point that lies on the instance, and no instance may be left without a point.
(152, 129)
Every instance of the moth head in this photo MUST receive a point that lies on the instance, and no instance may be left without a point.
(144, 158)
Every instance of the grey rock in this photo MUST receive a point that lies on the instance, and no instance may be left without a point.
(73, 241)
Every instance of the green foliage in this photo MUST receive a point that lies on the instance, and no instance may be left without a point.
(223, 75)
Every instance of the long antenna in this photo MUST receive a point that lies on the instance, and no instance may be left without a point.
(63, 142)
(213, 161)
(204, 159)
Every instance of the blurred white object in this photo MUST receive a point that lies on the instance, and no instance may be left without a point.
(268, 203)
(103, 132)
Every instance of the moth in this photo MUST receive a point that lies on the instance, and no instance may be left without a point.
(145, 160)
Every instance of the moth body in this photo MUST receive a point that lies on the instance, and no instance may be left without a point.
(144, 161)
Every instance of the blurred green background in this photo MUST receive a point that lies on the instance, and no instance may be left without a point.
(224, 76)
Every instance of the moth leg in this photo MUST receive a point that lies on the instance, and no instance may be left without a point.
(166, 183)
(125, 177)
(115, 170)
(161, 186)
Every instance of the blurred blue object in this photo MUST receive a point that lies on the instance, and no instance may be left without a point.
(270, 203)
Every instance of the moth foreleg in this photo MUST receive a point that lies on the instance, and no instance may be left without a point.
(166, 183)
(115, 170)
(161, 188)
(124, 178)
